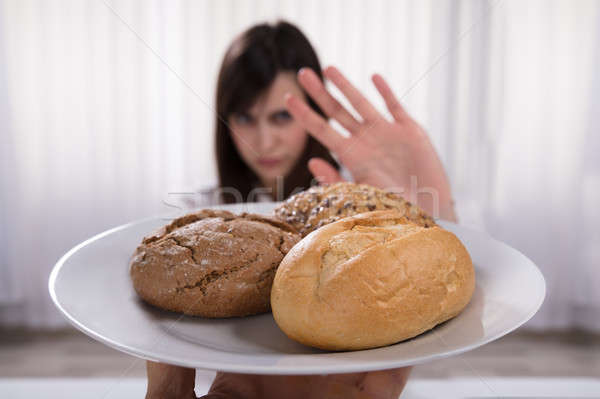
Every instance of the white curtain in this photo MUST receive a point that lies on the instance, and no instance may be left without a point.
(106, 107)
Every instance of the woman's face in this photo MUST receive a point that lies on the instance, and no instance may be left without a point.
(266, 136)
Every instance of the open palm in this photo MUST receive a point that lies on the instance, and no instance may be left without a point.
(395, 155)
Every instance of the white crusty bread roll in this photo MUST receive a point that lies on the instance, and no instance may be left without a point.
(370, 280)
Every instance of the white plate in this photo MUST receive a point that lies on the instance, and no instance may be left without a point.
(91, 286)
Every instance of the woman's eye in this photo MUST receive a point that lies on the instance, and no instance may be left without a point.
(281, 117)
(242, 119)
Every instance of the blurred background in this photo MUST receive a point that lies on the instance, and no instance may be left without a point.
(106, 108)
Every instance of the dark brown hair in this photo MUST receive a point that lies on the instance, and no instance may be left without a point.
(249, 67)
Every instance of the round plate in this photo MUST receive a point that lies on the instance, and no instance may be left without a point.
(91, 286)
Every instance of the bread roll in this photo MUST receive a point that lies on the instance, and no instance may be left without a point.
(370, 280)
(324, 204)
(212, 263)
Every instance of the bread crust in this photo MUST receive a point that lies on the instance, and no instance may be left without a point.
(324, 204)
(370, 280)
(212, 263)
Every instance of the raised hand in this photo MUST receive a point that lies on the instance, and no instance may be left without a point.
(395, 155)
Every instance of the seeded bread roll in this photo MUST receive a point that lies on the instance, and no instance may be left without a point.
(320, 205)
(212, 263)
(370, 280)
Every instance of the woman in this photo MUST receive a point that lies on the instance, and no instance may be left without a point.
(263, 146)
(260, 148)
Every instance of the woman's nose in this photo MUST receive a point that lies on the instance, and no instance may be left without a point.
(268, 137)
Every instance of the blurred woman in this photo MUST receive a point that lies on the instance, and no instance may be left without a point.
(272, 136)
(261, 150)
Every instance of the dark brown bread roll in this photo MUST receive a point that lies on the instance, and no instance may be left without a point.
(212, 263)
(321, 205)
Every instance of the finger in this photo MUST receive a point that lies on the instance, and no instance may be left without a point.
(393, 105)
(316, 125)
(385, 383)
(168, 381)
(316, 90)
(358, 101)
(231, 385)
(323, 171)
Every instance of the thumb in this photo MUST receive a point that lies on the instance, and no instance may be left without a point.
(323, 171)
